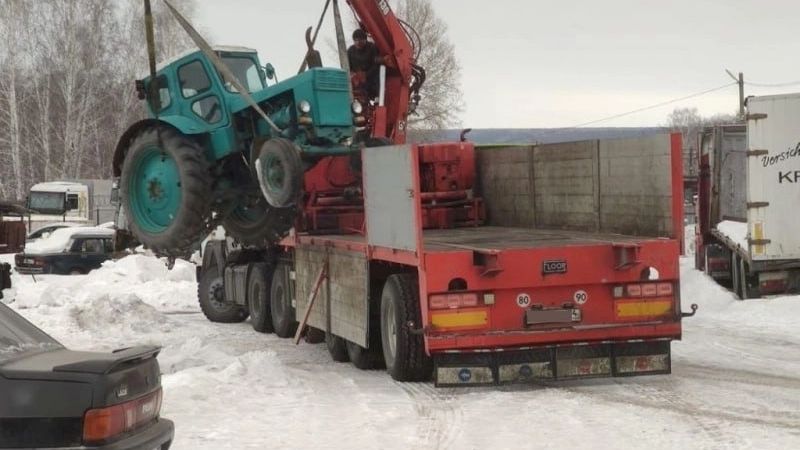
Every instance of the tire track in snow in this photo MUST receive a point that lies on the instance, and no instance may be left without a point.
(439, 420)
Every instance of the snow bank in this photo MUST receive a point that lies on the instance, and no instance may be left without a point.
(735, 231)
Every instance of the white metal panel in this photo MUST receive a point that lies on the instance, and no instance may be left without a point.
(774, 178)
(389, 197)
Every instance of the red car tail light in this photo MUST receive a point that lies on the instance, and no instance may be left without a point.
(100, 425)
(453, 301)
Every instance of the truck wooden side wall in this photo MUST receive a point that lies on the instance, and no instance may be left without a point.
(611, 186)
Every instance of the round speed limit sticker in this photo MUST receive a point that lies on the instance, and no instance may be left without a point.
(523, 300)
(580, 297)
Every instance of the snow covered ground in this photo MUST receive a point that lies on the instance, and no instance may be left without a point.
(735, 381)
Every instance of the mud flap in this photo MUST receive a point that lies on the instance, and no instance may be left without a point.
(552, 363)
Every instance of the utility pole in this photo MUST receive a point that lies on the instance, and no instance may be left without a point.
(740, 81)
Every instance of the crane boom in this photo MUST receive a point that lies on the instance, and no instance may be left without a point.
(380, 22)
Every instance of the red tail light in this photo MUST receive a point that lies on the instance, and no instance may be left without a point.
(643, 290)
(453, 301)
(100, 425)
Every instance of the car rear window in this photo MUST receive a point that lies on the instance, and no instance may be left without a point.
(18, 337)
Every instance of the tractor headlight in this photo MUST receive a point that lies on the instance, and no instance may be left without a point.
(357, 107)
(304, 107)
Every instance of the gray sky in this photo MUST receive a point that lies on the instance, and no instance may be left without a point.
(528, 64)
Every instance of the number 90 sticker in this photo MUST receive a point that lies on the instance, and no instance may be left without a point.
(580, 297)
(523, 300)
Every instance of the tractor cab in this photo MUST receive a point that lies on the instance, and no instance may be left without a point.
(312, 109)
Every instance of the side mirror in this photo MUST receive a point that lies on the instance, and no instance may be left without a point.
(269, 70)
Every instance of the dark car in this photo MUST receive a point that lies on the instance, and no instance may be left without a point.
(57, 398)
(5, 277)
(67, 251)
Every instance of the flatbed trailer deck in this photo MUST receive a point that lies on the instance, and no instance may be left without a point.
(574, 274)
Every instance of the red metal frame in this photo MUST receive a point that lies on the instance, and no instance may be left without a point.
(595, 267)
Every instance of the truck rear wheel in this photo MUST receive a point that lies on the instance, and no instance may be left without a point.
(259, 283)
(283, 314)
(166, 187)
(365, 358)
(403, 351)
(280, 172)
(211, 294)
(259, 223)
(337, 347)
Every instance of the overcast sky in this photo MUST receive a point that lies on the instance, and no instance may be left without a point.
(530, 64)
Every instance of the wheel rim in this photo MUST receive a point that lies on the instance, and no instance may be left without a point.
(274, 174)
(391, 330)
(154, 190)
(215, 295)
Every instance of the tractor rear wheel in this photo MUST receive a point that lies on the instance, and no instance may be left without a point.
(256, 222)
(166, 187)
(280, 172)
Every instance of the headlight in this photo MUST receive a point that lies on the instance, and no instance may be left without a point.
(357, 107)
(304, 107)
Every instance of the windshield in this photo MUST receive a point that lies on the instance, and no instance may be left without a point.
(245, 70)
(19, 337)
(46, 202)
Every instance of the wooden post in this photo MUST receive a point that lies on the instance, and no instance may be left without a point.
(323, 273)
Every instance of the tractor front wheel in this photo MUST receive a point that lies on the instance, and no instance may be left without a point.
(165, 187)
(279, 169)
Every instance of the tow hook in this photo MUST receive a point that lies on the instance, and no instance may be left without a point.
(690, 314)
(413, 330)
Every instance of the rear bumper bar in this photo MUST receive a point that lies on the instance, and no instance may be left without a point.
(609, 359)
(488, 340)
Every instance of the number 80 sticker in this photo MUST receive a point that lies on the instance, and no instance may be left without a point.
(523, 300)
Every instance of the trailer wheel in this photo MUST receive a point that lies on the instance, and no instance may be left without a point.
(259, 284)
(314, 335)
(211, 294)
(337, 347)
(283, 314)
(366, 358)
(403, 351)
(166, 189)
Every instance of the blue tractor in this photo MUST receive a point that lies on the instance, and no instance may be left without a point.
(206, 156)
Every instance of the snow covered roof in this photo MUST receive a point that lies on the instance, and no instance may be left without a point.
(56, 186)
(58, 239)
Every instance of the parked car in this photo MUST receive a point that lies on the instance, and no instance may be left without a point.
(5, 277)
(46, 231)
(67, 251)
(55, 397)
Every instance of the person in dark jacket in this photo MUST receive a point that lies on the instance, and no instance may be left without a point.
(364, 59)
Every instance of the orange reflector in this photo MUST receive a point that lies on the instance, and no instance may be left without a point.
(460, 319)
(627, 309)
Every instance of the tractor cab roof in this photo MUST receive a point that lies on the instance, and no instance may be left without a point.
(191, 52)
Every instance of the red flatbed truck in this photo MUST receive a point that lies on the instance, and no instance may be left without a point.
(524, 296)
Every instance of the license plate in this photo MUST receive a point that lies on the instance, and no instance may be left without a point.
(551, 316)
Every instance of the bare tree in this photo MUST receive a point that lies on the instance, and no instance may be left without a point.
(66, 89)
(690, 123)
(441, 104)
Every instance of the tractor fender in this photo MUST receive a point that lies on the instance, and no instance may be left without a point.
(178, 123)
